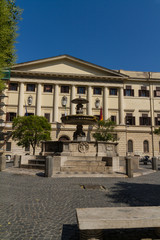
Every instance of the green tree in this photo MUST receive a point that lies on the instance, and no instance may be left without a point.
(30, 130)
(157, 131)
(104, 131)
(9, 18)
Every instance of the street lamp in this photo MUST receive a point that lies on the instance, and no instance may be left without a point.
(97, 103)
(29, 100)
(64, 101)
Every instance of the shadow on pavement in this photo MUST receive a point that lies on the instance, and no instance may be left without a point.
(70, 232)
(135, 194)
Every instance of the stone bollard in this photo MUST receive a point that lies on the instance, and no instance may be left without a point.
(2, 163)
(49, 166)
(16, 160)
(154, 163)
(129, 169)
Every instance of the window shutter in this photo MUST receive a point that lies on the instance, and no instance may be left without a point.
(132, 92)
(7, 117)
(149, 120)
(126, 119)
(133, 120)
(154, 93)
(140, 93)
(124, 92)
(156, 121)
(147, 93)
(141, 120)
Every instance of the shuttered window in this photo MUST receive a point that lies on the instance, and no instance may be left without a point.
(129, 91)
(145, 120)
(143, 92)
(130, 120)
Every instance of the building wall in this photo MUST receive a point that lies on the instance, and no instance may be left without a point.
(113, 105)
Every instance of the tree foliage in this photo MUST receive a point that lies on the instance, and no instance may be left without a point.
(9, 17)
(30, 130)
(157, 131)
(104, 131)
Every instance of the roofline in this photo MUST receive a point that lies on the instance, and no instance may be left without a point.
(72, 58)
(68, 75)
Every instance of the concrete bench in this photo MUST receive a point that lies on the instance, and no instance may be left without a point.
(92, 221)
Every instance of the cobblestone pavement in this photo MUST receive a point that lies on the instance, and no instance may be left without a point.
(34, 207)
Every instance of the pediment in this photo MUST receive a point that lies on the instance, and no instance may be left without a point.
(66, 64)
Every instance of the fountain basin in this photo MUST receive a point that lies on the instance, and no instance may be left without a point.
(79, 119)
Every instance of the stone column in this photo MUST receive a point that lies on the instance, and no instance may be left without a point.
(105, 107)
(121, 107)
(21, 99)
(38, 109)
(72, 97)
(89, 96)
(56, 98)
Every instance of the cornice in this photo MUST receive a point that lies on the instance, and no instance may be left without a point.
(64, 75)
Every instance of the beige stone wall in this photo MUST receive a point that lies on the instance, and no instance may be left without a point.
(135, 105)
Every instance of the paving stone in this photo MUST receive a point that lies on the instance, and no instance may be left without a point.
(44, 208)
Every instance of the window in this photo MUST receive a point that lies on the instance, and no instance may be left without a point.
(97, 91)
(157, 120)
(157, 92)
(64, 89)
(30, 88)
(10, 116)
(113, 119)
(13, 86)
(130, 120)
(143, 92)
(27, 149)
(113, 91)
(130, 146)
(128, 91)
(47, 116)
(8, 146)
(47, 88)
(81, 90)
(145, 120)
(145, 146)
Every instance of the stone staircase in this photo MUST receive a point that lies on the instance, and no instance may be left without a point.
(85, 164)
(37, 163)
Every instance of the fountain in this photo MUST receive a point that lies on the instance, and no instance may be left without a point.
(81, 154)
(79, 119)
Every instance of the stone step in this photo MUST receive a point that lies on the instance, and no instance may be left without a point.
(86, 158)
(86, 169)
(36, 161)
(33, 166)
(84, 163)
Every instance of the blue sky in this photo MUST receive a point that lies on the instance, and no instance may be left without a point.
(117, 34)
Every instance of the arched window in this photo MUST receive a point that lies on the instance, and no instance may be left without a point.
(146, 146)
(130, 146)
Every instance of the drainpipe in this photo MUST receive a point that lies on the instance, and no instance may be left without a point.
(151, 112)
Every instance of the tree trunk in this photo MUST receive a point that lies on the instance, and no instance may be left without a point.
(34, 150)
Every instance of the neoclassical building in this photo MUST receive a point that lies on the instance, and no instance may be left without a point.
(46, 87)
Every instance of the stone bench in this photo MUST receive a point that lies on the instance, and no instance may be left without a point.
(92, 221)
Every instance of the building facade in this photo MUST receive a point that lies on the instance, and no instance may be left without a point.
(46, 87)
